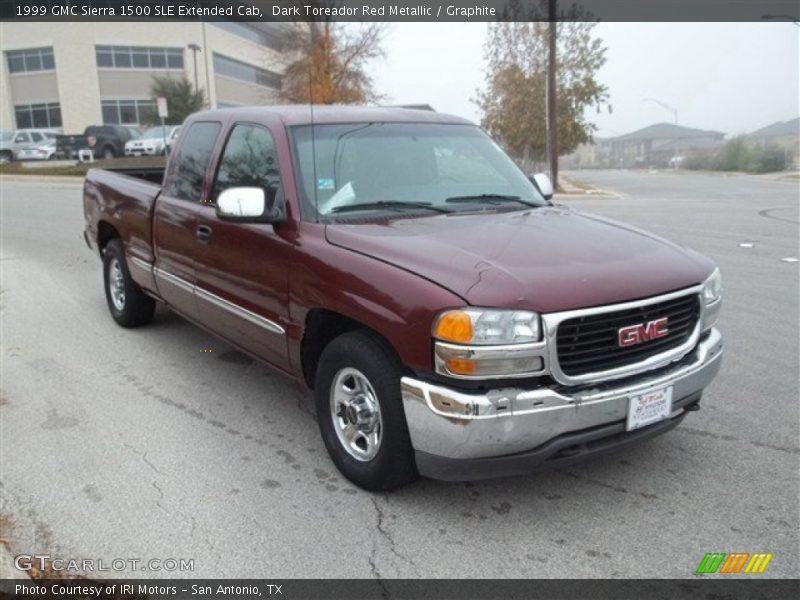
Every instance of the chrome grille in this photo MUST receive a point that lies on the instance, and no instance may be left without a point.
(590, 343)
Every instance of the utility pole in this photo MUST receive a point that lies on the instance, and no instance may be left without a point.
(195, 49)
(552, 104)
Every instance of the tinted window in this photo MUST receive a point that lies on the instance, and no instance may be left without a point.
(36, 136)
(191, 161)
(22, 138)
(359, 163)
(249, 160)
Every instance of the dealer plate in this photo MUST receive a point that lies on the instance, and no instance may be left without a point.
(649, 408)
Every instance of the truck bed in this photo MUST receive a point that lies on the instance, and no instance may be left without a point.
(124, 200)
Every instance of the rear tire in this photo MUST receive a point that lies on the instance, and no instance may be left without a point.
(5, 158)
(129, 306)
(108, 153)
(357, 393)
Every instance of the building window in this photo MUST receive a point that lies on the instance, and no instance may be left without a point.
(38, 115)
(30, 60)
(268, 34)
(136, 57)
(126, 112)
(244, 72)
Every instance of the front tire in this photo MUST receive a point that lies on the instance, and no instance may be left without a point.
(360, 412)
(129, 306)
(108, 153)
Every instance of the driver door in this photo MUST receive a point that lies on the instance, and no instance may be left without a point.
(242, 269)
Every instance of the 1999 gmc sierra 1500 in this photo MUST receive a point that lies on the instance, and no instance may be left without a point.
(450, 319)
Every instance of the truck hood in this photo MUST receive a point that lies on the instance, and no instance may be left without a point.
(547, 259)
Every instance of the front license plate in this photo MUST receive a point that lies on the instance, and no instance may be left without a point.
(649, 408)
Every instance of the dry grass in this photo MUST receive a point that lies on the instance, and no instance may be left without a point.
(79, 169)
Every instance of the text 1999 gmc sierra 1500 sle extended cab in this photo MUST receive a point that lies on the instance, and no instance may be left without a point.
(450, 319)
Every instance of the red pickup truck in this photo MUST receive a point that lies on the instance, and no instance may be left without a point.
(451, 320)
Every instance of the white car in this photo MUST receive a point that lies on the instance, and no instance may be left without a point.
(151, 142)
(34, 144)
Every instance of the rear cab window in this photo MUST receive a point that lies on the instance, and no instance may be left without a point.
(191, 161)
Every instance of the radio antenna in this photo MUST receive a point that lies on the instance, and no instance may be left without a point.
(314, 183)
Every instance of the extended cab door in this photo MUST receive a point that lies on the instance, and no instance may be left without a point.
(243, 268)
(176, 236)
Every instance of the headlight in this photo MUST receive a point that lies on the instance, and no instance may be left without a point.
(712, 296)
(482, 326)
(476, 343)
(712, 288)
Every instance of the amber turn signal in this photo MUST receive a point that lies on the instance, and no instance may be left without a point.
(461, 366)
(454, 326)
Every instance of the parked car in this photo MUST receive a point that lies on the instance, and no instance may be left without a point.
(451, 321)
(28, 144)
(136, 131)
(105, 141)
(6, 146)
(152, 142)
(42, 146)
(172, 138)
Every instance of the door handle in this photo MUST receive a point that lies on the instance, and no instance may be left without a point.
(203, 234)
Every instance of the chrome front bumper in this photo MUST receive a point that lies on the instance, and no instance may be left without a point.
(449, 426)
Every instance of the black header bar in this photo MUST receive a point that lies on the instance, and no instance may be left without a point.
(775, 11)
(730, 588)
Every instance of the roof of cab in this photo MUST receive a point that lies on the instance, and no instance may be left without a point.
(301, 114)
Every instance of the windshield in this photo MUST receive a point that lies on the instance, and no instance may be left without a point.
(156, 132)
(386, 166)
(6, 136)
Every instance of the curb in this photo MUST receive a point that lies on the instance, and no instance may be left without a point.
(41, 179)
(8, 569)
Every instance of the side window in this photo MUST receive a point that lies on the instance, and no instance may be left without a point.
(21, 138)
(191, 161)
(249, 160)
(36, 136)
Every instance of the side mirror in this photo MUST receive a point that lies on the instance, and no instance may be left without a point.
(249, 204)
(543, 184)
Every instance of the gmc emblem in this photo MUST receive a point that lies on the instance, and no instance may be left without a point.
(643, 332)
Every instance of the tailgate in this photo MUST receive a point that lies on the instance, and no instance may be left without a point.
(115, 202)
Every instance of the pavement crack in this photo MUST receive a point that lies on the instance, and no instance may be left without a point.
(387, 535)
(143, 456)
(376, 574)
(160, 496)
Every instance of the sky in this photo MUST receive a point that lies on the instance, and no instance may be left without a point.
(729, 77)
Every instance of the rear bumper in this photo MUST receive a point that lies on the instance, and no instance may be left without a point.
(460, 436)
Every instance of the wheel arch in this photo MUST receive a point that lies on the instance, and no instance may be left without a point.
(323, 326)
(105, 233)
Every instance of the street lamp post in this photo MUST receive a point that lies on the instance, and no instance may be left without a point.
(195, 49)
(674, 112)
(671, 109)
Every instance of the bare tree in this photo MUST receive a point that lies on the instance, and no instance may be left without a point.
(331, 62)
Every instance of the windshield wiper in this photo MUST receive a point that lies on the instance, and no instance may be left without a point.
(390, 204)
(487, 199)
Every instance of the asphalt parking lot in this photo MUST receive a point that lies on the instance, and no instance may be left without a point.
(165, 443)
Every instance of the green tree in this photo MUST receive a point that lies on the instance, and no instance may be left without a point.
(514, 100)
(182, 99)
